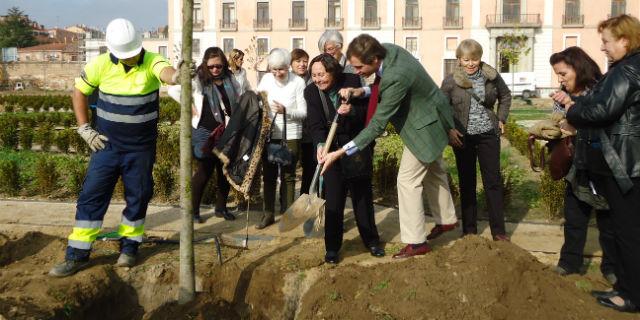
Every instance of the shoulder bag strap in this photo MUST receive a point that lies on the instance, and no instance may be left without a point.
(325, 106)
(531, 142)
(284, 127)
(475, 96)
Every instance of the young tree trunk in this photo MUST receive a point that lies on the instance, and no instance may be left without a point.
(187, 266)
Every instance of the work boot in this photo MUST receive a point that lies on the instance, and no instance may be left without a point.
(67, 268)
(126, 261)
(267, 220)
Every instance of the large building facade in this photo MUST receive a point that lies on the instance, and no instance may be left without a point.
(430, 29)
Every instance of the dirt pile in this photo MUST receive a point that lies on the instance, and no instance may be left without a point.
(285, 279)
(473, 279)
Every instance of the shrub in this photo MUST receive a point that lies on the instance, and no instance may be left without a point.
(63, 139)
(26, 137)
(9, 107)
(552, 194)
(164, 180)
(44, 135)
(76, 170)
(46, 175)
(9, 132)
(386, 160)
(9, 176)
(78, 144)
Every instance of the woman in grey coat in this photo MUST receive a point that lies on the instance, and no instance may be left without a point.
(473, 89)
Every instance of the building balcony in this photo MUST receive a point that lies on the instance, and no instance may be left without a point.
(229, 25)
(370, 23)
(572, 21)
(262, 24)
(198, 25)
(334, 23)
(298, 24)
(412, 23)
(514, 21)
(452, 22)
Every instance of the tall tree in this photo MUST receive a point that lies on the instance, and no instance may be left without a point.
(512, 47)
(16, 31)
(187, 265)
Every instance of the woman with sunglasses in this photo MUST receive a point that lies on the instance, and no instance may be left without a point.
(351, 174)
(216, 95)
(236, 59)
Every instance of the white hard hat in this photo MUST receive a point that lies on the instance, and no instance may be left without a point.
(122, 39)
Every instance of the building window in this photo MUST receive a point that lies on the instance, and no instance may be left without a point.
(411, 10)
(197, 15)
(451, 43)
(572, 14)
(334, 12)
(511, 10)
(227, 45)
(618, 7)
(297, 43)
(195, 47)
(411, 44)
(370, 10)
(162, 50)
(228, 13)
(570, 41)
(452, 14)
(263, 46)
(263, 13)
(449, 66)
(297, 11)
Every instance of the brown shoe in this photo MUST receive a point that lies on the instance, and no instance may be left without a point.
(501, 237)
(409, 251)
(439, 229)
(267, 220)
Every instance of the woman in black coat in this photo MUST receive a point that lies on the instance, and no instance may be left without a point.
(612, 153)
(352, 174)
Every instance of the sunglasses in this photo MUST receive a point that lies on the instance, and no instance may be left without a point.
(215, 66)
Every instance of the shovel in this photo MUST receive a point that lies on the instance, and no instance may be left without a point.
(308, 206)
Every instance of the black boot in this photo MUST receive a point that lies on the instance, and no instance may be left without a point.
(267, 220)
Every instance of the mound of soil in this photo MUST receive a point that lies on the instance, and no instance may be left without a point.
(473, 279)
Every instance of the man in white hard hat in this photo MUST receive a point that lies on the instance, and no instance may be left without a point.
(123, 141)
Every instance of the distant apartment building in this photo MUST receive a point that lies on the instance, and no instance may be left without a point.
(430, 29)
(50, 52)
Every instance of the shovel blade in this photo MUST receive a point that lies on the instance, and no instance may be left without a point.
(305, 207)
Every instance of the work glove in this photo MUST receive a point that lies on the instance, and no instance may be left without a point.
(192, 71)
(93, 138)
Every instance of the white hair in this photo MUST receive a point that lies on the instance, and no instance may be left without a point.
(330, 36)
(279, 58)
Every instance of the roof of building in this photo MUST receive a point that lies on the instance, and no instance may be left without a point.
(49, 47)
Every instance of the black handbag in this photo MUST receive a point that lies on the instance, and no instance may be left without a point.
(279, 153)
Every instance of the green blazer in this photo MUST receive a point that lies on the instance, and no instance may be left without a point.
(413, 103)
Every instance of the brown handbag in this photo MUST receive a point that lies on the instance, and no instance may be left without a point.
(561, 152)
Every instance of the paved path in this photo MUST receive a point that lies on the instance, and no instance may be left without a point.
(58, 217)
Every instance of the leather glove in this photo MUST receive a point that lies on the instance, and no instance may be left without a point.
(93, 138)
(192, 71)
(546, 129)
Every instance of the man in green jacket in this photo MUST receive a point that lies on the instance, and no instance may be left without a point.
(409, 99)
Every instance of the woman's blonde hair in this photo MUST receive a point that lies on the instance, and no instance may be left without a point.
(469, 48)
(233, 55)
(623, 26)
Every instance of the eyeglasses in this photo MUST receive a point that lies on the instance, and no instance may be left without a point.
(215, 66)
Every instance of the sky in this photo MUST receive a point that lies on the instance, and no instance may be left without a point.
(145, 14)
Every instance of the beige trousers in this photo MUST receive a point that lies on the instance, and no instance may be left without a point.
(413, 175)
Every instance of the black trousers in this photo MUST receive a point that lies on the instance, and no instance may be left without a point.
(485, 148)
(577, 215)
(336, 187)
(625, 216)
(308, 162)
(199, 182)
